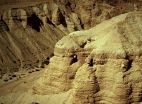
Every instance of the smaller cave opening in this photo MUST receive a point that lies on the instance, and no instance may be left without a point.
(62, 20)
(51, 55)
(94, 5)
(34, 103)
(91, 63)
(49, 21)
(14, 61)
(35, 22)
(74, 59)
(46, 61)
(130, 61)
(76, 28)
(82, 26)
(3, 25)
(83, 45)
(68, 4)
(1, 73)
(130, 64)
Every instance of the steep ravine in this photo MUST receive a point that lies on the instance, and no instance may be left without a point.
(25, 41)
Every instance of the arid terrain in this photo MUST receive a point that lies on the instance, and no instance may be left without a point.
(70, 52)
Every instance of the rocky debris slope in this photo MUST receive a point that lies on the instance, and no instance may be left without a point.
(26, 40)
(99, 65)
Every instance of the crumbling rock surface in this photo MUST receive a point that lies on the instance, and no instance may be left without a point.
(101, 65)
(27, 29)
(72, 15)
(26, 39)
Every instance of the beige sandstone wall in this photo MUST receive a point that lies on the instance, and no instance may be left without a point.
(99, 65)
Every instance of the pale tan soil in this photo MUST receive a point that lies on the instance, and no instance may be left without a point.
(23, 84)
(20, 92)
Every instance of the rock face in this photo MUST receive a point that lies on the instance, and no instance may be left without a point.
(99, 65)
(26, 39)
(27, 29)
(72, 15)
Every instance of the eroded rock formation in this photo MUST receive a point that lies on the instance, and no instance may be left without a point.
(26, 39)
(28, 28)
(99, 65)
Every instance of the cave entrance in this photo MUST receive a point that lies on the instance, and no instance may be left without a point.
(74, 59)
(91, 63)
(49, 21)
(35, 22)
(3, 25)
(62, 19)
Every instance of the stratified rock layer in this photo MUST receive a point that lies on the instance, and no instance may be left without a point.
(33, 25)
(26, 39)
(101, 65)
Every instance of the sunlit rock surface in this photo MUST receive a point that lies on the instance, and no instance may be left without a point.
(95, 66)
(99, 65)
(26, 39)
(30, 29)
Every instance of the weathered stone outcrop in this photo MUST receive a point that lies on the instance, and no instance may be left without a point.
(20, 24)
(26, 39)
(99, 65)
(72, 15)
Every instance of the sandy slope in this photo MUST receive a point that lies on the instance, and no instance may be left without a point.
(20, 92)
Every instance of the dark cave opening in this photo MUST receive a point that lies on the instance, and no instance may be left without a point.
(82, 25)
(68, 4)
(49, 21)
(83, 45)
(35, 22)
(62, 19)
(130, 64)
(46, 61)
(3, 25)
(76, 28)
(74, 59)
(91, 63)
(130, 61)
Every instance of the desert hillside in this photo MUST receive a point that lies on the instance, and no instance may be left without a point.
(101, 66)
(89, 50)
(29, 30)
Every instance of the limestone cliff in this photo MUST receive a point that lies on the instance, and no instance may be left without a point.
(26, 39)
(29, 30)
(101, 65)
